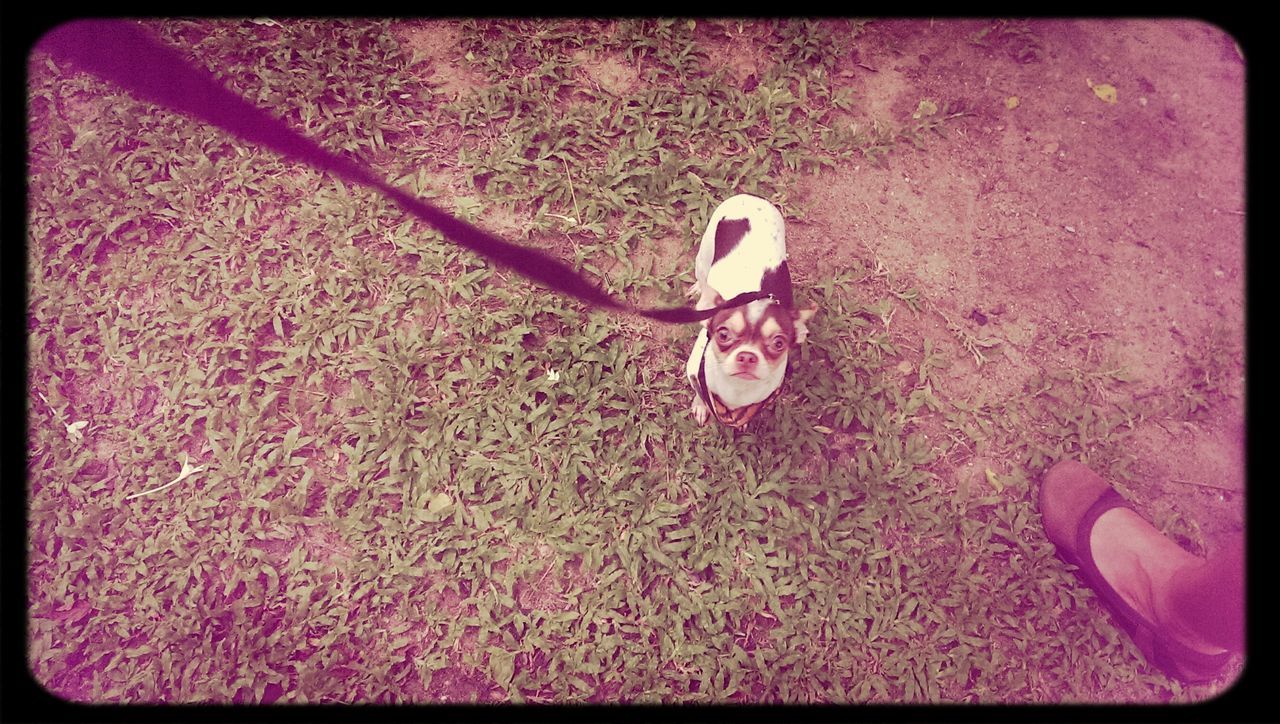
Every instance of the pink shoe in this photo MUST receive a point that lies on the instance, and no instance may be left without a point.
(1072, 492)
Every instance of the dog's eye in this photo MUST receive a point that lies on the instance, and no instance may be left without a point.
(779, 343)
(724, 335)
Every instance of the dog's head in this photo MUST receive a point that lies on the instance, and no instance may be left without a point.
(752, 342)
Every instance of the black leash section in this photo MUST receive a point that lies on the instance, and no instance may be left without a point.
(122, 52)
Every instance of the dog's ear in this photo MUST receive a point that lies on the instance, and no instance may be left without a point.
(800, 319)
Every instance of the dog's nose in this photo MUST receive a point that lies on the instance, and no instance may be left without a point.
(747, 359)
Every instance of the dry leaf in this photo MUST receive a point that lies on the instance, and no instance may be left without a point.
(1105, 91)
(187, 471)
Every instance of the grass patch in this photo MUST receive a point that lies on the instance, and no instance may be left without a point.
(425, 479)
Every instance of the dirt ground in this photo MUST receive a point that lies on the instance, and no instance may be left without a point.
(1067, 215)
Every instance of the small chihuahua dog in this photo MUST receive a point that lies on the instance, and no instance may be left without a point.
(740, 358)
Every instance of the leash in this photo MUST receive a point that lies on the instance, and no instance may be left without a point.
(122, 52)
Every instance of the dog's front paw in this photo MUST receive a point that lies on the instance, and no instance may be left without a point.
(700, 410)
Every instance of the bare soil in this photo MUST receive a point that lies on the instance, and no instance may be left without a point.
(1066, 215)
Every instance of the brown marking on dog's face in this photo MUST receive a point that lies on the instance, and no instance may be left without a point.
(752, 340)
